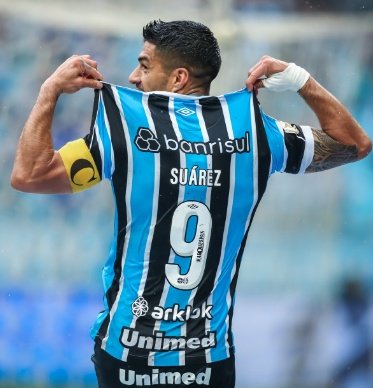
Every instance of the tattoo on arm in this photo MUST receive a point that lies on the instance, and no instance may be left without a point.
(329, 153)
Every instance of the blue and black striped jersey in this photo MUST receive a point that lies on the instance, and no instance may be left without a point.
(187, 176)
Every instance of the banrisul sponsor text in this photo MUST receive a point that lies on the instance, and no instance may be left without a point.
(147, 141)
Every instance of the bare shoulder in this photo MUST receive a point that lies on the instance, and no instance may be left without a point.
(329, 153)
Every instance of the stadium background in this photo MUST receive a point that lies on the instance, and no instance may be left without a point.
(304, 303)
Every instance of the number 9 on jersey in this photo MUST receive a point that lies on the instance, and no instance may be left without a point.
(196, 250)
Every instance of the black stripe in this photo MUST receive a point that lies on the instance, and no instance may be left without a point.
(295, 145)
(167, 202)
(233, 288)
(216, 128)
(91, 139)
(264, 163)
(119, 180)
(263, 151)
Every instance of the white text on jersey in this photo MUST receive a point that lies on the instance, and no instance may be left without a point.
(130, 377)
(219, 146)
(195, 177)
(175, 313)
(133, 339)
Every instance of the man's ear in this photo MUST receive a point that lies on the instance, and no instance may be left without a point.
(180, 78)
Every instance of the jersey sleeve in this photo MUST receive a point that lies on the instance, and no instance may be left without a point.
(291, 145)
(88, 160)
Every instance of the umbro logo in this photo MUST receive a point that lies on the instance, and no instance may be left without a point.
(146, 141)
(185, 111)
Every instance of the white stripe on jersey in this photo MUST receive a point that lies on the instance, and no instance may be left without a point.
(101, 148)
(128, 210)
(309, 149)
(144, 275)
(206, 138)
(181, 196)
(281, 130)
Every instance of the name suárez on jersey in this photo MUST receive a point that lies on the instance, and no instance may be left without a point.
(195, 176)
(131, 338)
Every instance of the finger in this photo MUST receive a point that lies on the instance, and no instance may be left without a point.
(258, 84)
(85, 59)
(259, 72)
(88, 71)
(90, 83)
(91, 62)
(254, 76)
(93, 73)
(263, 63)
(253, 68)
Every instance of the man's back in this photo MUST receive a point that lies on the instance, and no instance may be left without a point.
(187, 175)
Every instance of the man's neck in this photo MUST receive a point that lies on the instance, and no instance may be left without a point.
(194, 90)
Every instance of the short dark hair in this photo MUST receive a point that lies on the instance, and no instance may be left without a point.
(185, 43)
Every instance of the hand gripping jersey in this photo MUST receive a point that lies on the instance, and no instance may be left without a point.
(187, 175)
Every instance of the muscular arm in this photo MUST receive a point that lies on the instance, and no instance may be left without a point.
(341, 139)
(38, 168)
(329, 153)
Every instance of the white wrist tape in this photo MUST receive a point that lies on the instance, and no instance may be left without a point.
(292, 78)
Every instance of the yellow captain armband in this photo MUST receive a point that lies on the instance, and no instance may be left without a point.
(80, 166)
